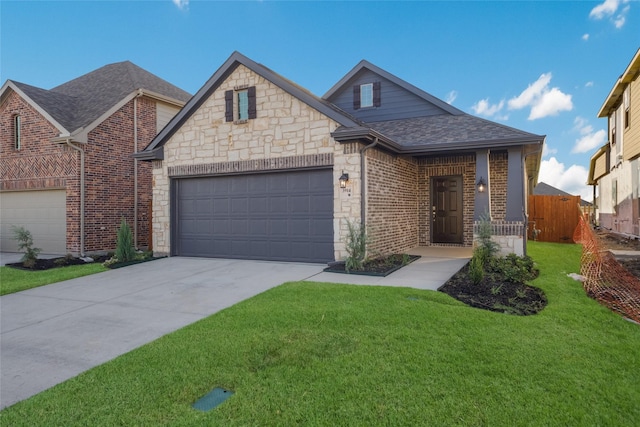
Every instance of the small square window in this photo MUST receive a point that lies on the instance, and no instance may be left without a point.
(366, 95)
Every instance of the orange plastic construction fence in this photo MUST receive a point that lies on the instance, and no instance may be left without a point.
(606, 280)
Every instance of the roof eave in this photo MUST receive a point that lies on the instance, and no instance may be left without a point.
(630, 73)
(147, 156)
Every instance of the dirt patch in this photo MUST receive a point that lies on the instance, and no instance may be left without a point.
(614, 241)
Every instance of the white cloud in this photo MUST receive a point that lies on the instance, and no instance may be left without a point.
(585, 37)
(609, 9)
(451, 96)
(544, 101)
(572, 180)
(588, 84)
(589, 140)
(483, 107)
(182, 4)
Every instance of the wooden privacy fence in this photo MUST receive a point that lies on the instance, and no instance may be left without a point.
(553, 218)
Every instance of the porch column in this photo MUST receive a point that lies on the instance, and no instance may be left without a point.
(482, 200)
(515, 185)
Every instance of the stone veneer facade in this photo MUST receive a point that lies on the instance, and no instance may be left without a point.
(109, 169)
(285, 128)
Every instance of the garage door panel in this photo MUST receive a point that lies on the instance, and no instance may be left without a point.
(272, 216)
(43, 213)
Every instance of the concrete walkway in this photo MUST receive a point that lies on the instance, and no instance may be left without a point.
(52, 333)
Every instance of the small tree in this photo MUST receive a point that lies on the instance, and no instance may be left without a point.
(356, 246)
(25, 243)
(124, 246)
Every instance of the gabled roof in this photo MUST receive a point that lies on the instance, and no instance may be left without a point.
(218, 78)
(631, 72)
(451, 130)
(544, 189)
(77, 105)
(366, 65)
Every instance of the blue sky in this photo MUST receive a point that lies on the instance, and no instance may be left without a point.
(544, 67)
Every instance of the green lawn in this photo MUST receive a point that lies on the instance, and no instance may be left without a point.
(14, 280)
(329, 354)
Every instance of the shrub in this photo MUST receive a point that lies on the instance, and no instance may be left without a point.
(487, 248)
(356, 246)
(514, 268)
(25, 243)
(476, 268)
(124, 246)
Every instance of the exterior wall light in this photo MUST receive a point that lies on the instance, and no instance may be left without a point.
(482, 186)
(344, 178)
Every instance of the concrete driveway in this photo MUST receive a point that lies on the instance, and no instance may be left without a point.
(52, 333)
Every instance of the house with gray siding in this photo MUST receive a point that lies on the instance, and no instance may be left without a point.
(257, 167)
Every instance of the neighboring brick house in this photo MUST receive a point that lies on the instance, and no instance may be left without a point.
(67, 171)
(615, 167)
(256, 167)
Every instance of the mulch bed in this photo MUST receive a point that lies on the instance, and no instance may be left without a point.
(47, 264)
(494, 294)
(376, 267)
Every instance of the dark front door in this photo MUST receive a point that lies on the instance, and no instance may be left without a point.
(447, 212)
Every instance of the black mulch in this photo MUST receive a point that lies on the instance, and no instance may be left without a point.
(376, 267)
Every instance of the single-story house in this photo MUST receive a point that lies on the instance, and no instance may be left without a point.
(66, 168)
(255, 166)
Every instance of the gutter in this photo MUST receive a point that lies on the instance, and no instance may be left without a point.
(135, 169)
(363, 190)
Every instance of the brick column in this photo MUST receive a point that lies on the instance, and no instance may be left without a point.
(482, 200)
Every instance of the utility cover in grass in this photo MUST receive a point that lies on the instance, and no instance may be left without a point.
(212, 399)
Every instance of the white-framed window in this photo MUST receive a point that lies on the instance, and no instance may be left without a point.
(17, 132)
(366, 95)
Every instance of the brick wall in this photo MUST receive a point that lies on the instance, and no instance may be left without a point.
(109, 176)
(392, 202)
(40, 163)
(109, 170)
(498, 169)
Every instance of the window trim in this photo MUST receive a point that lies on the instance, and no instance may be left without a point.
(17, 132)
(366, 95)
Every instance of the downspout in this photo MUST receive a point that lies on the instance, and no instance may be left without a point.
(363, 205)
(75, 147)
(135, 169)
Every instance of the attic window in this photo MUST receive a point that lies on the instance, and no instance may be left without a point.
(17, 131)
(366, 95)
(625, 98)
(240, 104)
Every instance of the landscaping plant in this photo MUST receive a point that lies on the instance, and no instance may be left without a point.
(124, 247)
(356, 246)
(25, 243)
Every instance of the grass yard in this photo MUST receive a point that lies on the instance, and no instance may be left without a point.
(14, 280)
(329, 354)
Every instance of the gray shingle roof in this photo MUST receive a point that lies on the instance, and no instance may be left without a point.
(81, 101)
(447, 129)
(544, 189)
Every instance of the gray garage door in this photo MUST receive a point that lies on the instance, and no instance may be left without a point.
(282, 216)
